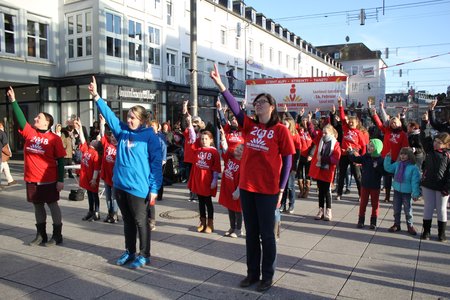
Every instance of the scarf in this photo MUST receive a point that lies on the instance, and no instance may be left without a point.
(401, 171)
(326, 147)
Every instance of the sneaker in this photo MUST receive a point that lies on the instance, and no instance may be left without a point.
(338, 198)
(290, 210)
(373, 226)
(229, 232)
(12, 183)
(394, 228)
(327, 216)
(412, 230)
(125, 258)
(152, 224)
(360, 225)
(95, 217)
(88, 216)
(139, 261)
(347, 191)
(233, 235)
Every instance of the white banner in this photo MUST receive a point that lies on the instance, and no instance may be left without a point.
(310, 92)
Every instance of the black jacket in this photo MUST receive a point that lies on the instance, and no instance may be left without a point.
(436, 171)
(371, 173)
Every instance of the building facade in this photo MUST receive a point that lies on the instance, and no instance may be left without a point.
(139, 52)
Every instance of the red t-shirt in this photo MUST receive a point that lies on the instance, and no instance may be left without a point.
(207, 162)
(108, 161)
(234, 138)
(189, 149)
(230, 182)
(261, 162)
(306, 142)
(41, 150)
(90, 162)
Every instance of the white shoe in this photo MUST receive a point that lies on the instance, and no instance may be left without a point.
(319, 214)
(328, 216)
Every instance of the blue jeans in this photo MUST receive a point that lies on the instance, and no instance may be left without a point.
(259, 215)
(405, 200)
(111, 202)
(289, 191)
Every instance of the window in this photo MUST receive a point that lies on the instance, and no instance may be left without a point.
(337, 55)
(79, 34)
(261, 51)
(134, 41)
(8, 33)
(250, 47)
(280, 57)
(113, 35)
(288, 58)
(169, 12)
(294, 63)
(271, 54)
(37, 39)
(223, 37)
(171, 64)
(238, 43)
(354, 70)
(154, 50)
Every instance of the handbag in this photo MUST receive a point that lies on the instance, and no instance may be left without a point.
(6, 153)
(76, 195)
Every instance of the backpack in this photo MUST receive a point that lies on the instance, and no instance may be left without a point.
(76, 195)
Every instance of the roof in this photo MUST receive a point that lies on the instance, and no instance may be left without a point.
(354, 51)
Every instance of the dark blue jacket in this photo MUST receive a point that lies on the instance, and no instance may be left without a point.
(371, 173)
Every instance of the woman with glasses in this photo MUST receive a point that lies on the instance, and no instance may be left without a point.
(267, 153)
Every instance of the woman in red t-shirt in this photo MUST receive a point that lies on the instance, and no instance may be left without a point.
(204, 174)
(109, 144)
(43, 170)
(90, 173)
(229, 186)
(265, 168)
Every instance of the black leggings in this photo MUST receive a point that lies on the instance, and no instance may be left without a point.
(324, 193)
(303, 168)
(205, 203)
(356, 171)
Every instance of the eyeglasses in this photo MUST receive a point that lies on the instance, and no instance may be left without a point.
(260, 102)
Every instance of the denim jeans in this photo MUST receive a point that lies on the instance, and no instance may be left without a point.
(405, 200)
(289, 191)
(111, 202)
(259, 216)
(135, 221)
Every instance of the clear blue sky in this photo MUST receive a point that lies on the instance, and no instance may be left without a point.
(413, 29)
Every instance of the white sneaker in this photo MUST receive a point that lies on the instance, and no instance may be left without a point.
(338, 198)
(328, 215)
(319, 214)
(229, 232)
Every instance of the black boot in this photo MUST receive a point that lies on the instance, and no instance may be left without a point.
(441, 231)
(373, 222)
(41, 235)
(426, 234)
(361, 222)
(57, 236)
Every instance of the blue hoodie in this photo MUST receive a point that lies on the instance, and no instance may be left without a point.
(137, 170)
(411, 177)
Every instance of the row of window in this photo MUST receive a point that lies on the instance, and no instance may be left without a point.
(37, 36)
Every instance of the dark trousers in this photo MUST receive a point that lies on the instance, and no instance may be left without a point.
(94, 201)
(134, 213)
(324, 193)
(205, 204)
(303, 168)
(235, 219)
(356, 171)
(259, 215)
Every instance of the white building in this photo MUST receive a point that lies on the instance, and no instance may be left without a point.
(139, 51)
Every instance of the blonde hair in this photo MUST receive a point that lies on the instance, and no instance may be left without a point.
(444, 137)
(291, 127)
(329, 128)
(140, 112)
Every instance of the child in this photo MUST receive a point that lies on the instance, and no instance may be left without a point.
(204, 174)
(109, 143)
(229, 188)
(372, 172)
(406, 183)
(90, 171)
(323, 165)
(436, 185)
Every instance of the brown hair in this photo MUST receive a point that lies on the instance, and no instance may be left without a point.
(140, 112)
(291, 127)
(49, 119)
(209, 134)
(414, 125)
(274, 118)
(444, 137)
(408, 151)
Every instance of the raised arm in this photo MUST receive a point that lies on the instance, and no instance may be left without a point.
(78, 127)
(16, 108)
(231, 101)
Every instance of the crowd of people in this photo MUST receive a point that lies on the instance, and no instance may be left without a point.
(264, 155)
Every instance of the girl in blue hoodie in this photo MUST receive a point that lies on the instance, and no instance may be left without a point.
(406, 185)
(136, 174)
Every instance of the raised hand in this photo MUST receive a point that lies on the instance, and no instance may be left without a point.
(11, 94)
(93, 87)
(215, 76)
(339, 101)
(433, 104)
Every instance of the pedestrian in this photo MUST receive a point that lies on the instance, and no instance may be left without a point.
(307, 148)
(435, 185)
(91, 162)
(6, 155)
(109, 144)
(66, 137)
(204, 175)
(372, 171)
(323, 165)
(43, 170)
(265, 168)
(229, 185)
(442, 125)
(406, 184)
(136, 174)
